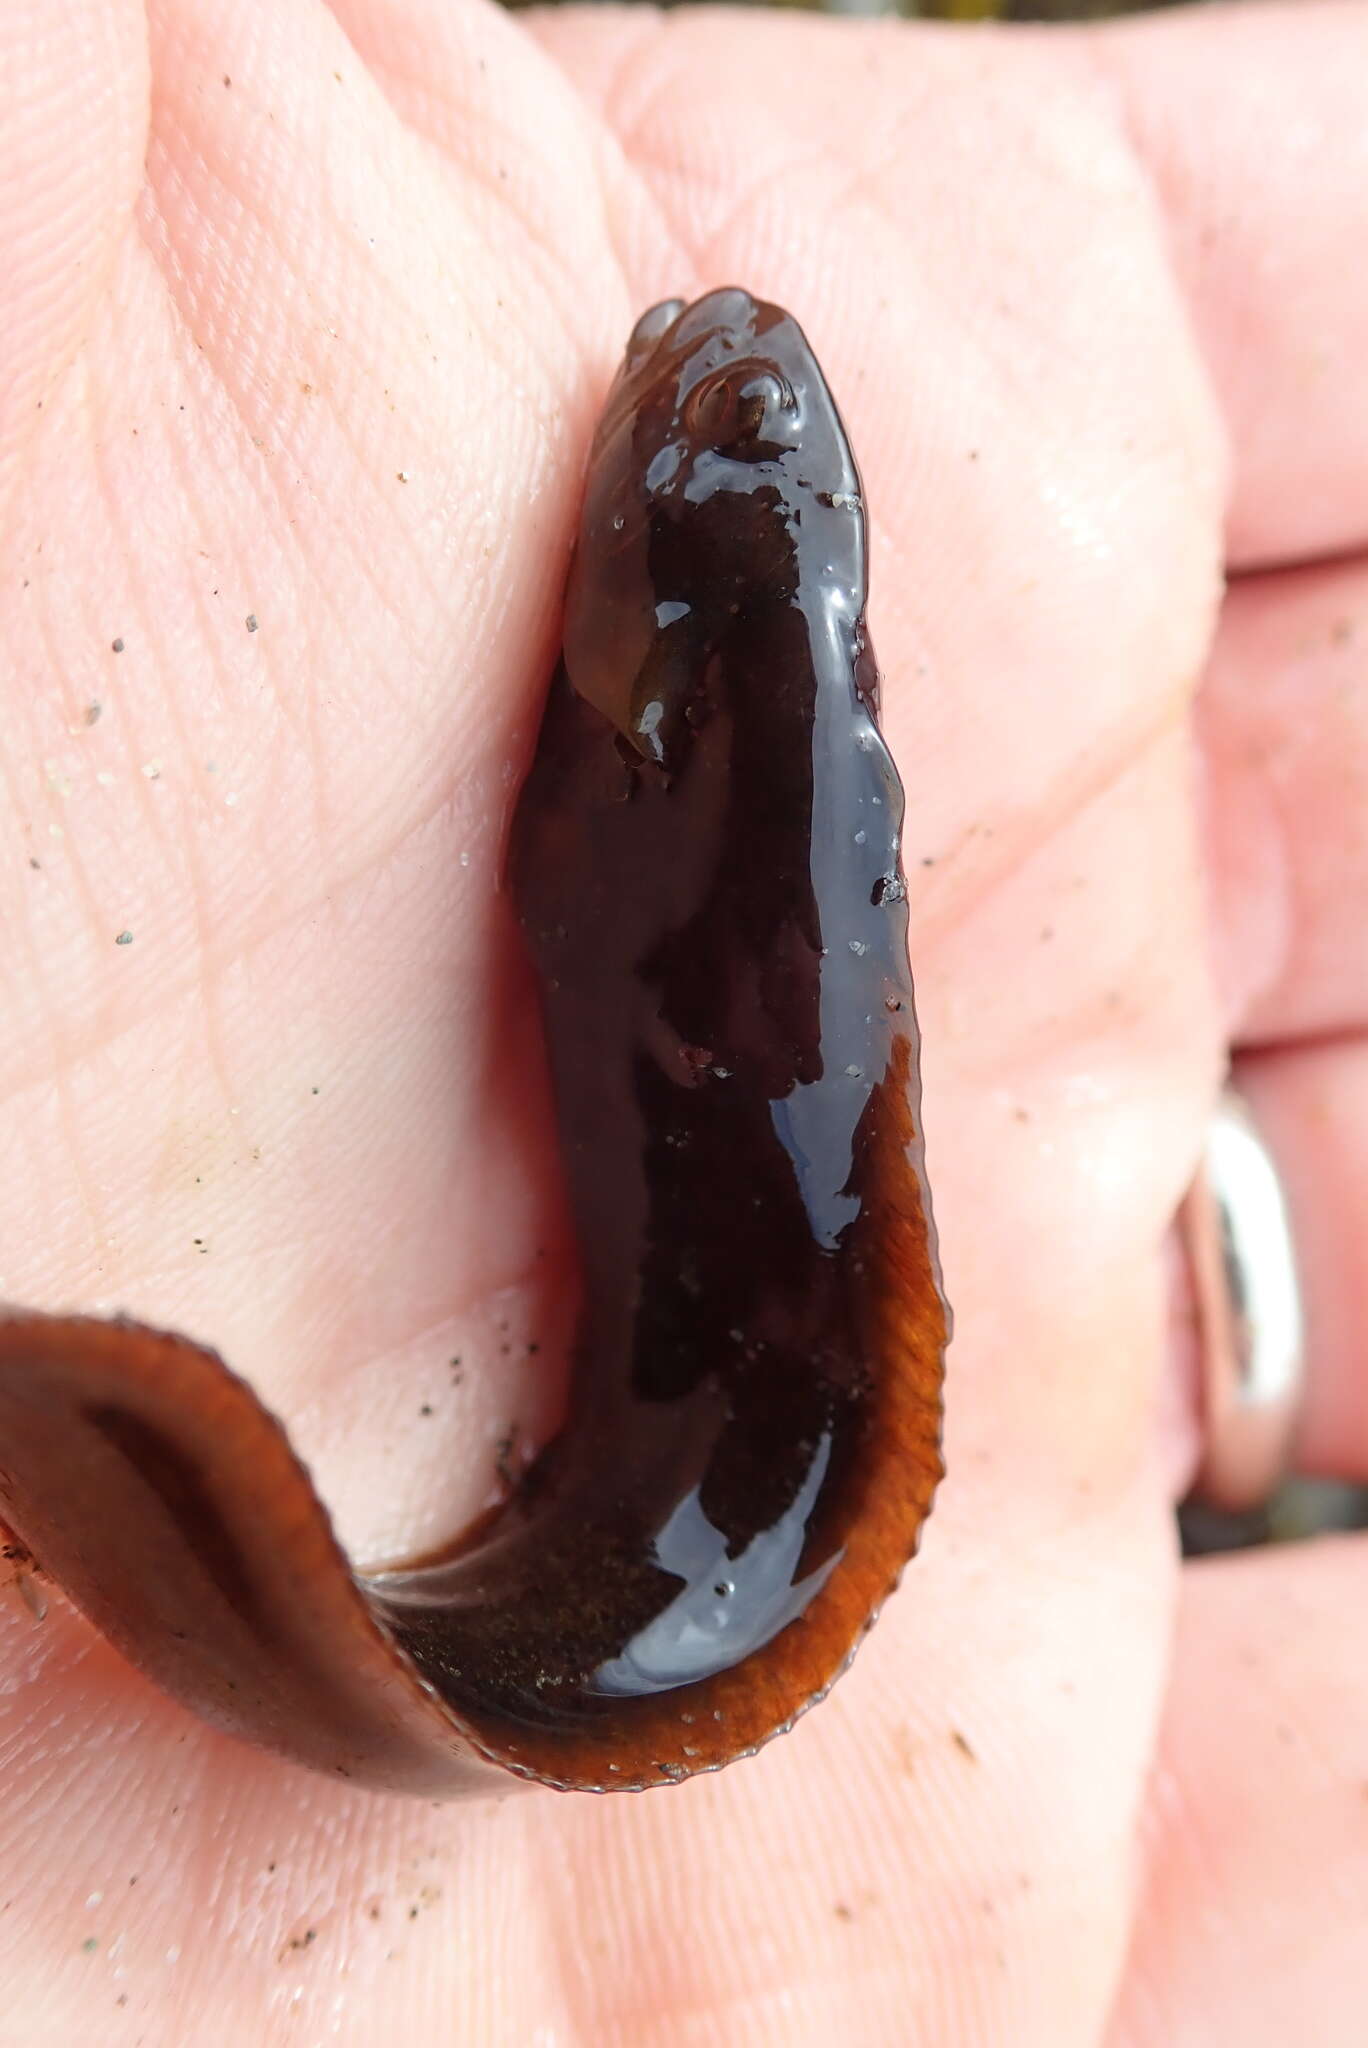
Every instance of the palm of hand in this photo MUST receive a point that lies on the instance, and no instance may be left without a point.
(302, 431)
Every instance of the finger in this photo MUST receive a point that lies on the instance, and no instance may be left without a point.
(1312, 1106)
(73, 121)
(1283, 724)
(1255, 1893)
(1252, 124)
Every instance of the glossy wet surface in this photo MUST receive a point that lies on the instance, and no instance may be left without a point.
(705, 861)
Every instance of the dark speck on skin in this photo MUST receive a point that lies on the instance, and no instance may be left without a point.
(124, 939)
(117, 646)
(251, 622)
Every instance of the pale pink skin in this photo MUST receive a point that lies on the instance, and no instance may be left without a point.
(324, 345)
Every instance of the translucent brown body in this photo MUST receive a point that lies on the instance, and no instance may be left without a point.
(705, 860)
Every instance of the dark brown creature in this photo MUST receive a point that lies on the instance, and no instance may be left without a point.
(706, 863)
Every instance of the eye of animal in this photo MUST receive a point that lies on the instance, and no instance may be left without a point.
(734, 408)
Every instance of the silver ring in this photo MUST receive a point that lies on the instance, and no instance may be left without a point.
(1238, 1237)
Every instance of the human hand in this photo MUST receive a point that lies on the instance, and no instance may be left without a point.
(329, 365)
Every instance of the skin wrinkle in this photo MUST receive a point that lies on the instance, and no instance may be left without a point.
(672, 261)
(635, 134)
(544, 242)
(106, 63)
(1350, 556)
(398, 621)
(543, 350)
(1079, 784)
(775, 180)
(160, 833)
(202, 526)
(69, 1120)
(635, 129)
(360, 562)
(55, 1032)
(439, 126)
(633, 98)
(1346, 1039)
(541, 429)
(19, 931)
(382, 853)
(409, 1341)
(165, 991)
(617, 175)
